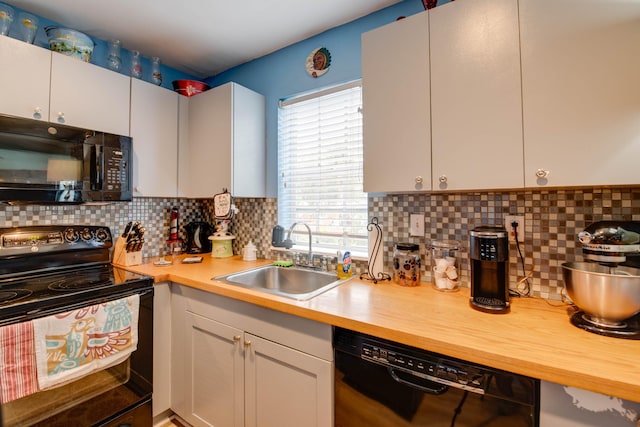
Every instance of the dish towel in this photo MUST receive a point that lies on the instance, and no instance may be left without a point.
(18, 376)
(74, 344)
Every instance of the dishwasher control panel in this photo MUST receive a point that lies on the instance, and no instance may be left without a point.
(431, 368)
(427, 371)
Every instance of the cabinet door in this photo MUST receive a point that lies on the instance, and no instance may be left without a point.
(209, 146)
(154, 129)
(285, 387)
(24, 79)
(249, 143)
(226, 143)
(88, 96)
(396, 106)
(215, 373)
(581, 91)
(476, 103)
(161, 348)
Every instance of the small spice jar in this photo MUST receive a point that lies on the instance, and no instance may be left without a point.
(406, 264)
(445, 264)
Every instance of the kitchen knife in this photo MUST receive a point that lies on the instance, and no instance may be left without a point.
(127, 228)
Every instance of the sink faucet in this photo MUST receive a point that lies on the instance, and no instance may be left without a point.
(288, 241)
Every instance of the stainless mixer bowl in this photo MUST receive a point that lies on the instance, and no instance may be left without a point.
(607, 294)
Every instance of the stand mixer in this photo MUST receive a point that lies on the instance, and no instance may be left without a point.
(612, 243)
(606, 288)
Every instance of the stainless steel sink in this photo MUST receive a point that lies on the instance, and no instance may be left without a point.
(291, 282)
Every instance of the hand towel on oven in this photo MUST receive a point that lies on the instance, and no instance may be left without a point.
(74, 344)
(17, 362)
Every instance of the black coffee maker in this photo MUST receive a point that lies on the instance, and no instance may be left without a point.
(198, 233)
(489, 257)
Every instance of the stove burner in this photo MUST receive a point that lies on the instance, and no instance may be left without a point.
(629, 329)
(80, 283)
(13, 294)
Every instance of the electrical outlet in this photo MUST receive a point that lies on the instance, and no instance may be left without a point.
(416, 225)
(508, 220)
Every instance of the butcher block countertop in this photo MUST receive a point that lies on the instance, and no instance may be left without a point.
(535, 338)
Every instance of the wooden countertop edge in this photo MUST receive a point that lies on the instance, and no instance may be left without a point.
(585, 374)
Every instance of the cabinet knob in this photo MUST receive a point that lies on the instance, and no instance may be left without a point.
(236, 338)
(247, 343)
(37, 113)
(60, 117)
(419, 179)
(442, 179)
(541, 173)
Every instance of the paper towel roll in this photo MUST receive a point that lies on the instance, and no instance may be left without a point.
(376, 264)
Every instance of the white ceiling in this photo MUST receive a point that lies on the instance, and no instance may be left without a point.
(202, 37)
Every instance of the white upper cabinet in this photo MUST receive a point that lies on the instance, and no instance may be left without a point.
(225, 145)
(24, 79)
(396, 106)
(581, 92)
(476, 104)
(87, 96)
(154, 129)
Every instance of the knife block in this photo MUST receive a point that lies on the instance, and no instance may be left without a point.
(123, 258)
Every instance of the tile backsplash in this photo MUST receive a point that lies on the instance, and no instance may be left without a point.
(553, 218)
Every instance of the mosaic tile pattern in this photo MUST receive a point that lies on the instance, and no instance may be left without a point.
(552, 221)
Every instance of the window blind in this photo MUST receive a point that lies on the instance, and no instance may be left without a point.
(320, 169)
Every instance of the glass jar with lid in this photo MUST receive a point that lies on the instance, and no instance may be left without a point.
(445, 264)
(406, 264)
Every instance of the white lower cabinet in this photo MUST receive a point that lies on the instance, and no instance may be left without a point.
(236, 364)
(161, 348)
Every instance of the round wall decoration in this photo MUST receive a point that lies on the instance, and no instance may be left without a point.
(318, 62)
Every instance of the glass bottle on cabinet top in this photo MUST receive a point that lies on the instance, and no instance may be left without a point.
(156, 75)
(28, 27)
(114, 61)
(136, 66)
(6, 19)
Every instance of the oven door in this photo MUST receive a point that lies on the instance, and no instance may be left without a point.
(118, 395)
(372, 395)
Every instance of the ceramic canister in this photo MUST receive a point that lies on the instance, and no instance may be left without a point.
(221, 246)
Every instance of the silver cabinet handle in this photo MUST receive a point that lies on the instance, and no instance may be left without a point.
(419, 179)
(37, 113)
(541, 173)
(443, 179)
(60, 117)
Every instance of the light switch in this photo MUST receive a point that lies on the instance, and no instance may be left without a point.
(416, 225)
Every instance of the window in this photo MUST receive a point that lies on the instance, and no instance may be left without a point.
(320, 168)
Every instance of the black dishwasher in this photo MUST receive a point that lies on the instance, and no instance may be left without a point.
(382, 383)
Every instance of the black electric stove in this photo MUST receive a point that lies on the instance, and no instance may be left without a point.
(49, 269)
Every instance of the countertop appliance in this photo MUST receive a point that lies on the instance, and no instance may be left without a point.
(489, 257)
(608, 283)
(47, 270)
(198, 233)
(383, 383)
(50, 163)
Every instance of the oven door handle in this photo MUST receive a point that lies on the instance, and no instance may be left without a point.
(427, 386)
(40, 312)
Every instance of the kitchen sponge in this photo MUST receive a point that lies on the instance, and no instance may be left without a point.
(283, 263)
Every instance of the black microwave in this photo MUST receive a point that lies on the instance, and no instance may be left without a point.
(48, 163)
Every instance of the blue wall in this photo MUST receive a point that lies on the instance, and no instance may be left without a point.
(282, 74)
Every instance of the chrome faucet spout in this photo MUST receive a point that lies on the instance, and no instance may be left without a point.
(310, 255)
